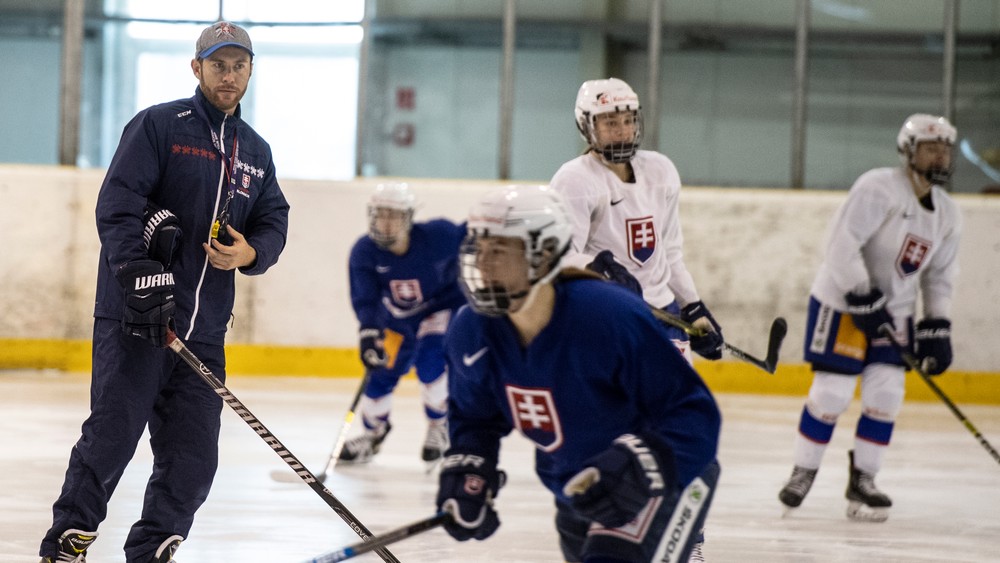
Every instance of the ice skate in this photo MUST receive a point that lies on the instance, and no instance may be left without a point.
(165, 553)
(436, 441)
(865, 502)
(697, 555)
(363, 448)
(797, 487)
(73, 546)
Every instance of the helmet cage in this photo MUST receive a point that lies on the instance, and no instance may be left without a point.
(393, 197)
(922, 128)
(598, 97)
(536, 216)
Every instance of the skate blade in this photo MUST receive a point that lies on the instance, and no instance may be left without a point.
(787, 511)
(860, 512)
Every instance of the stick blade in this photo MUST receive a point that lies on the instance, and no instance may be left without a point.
(779, 328)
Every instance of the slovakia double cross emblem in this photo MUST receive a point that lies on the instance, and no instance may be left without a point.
(535, 416)
(641, 238)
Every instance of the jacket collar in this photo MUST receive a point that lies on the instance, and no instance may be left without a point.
(215, 115)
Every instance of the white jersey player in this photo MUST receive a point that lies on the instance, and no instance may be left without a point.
(623, 204)
(895, 236)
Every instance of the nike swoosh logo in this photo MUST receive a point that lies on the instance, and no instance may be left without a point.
(469, 360)
(382, 269)
(617, 202)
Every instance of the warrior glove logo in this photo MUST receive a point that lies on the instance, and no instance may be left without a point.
(154, 280)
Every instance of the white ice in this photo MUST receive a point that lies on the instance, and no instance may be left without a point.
(945, 487)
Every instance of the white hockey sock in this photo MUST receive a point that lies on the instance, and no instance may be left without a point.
(375, 412)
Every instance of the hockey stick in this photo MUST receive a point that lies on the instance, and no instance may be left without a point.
(779, 327)
(383, 540)
(914, 364)
(285, 477)
(206, 374)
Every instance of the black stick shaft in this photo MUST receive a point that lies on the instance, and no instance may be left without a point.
(912, 363)
(206, 374)
(383, 539)
(692, 330)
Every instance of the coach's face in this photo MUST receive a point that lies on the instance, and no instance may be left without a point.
(224, 76)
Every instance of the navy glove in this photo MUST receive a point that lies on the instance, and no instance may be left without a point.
(468, 485)
(162, 234)
(606, 265)
(868, 312)
(372, 352)
(149, 300)
(708, 345)
(933, 345)
(618, 482)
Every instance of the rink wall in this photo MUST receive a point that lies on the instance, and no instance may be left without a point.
(753, 254)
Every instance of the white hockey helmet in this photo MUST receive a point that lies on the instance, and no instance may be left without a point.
(919, 128)
(395, 196)
(608, 95)
(534, 214)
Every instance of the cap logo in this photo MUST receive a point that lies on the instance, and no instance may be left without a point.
(224, 28)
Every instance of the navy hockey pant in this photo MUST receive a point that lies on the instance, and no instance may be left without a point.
(134, 384)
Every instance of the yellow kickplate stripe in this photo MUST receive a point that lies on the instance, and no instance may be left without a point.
(721, 377)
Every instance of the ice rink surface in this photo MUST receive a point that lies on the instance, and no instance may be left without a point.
(944, 485)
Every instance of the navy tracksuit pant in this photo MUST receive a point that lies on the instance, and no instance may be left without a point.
(135, 384)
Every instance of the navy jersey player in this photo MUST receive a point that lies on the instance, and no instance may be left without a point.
(624, 210)
(404, 290)
(894, 238)
(625, 430)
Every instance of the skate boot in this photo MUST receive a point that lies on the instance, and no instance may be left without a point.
(797, 487)
(865, 502)
(73, 546)
(436, 442)
(364, 447)
(697, 555)
(165, 553)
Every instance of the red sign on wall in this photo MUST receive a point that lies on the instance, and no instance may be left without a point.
(405, 98)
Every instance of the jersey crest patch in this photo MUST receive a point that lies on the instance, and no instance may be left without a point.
(535, 416)
(406, 292)
(641, 238)
(912, 255)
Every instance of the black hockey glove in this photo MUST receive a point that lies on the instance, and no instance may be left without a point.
(933, 345)
(162, 234)
(606, 265)
(372, 352)
(868, 312)
(149, 300)
(618, 482)
(708, 345)
(467, 486)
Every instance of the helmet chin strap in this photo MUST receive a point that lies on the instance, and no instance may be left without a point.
(933, 174)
